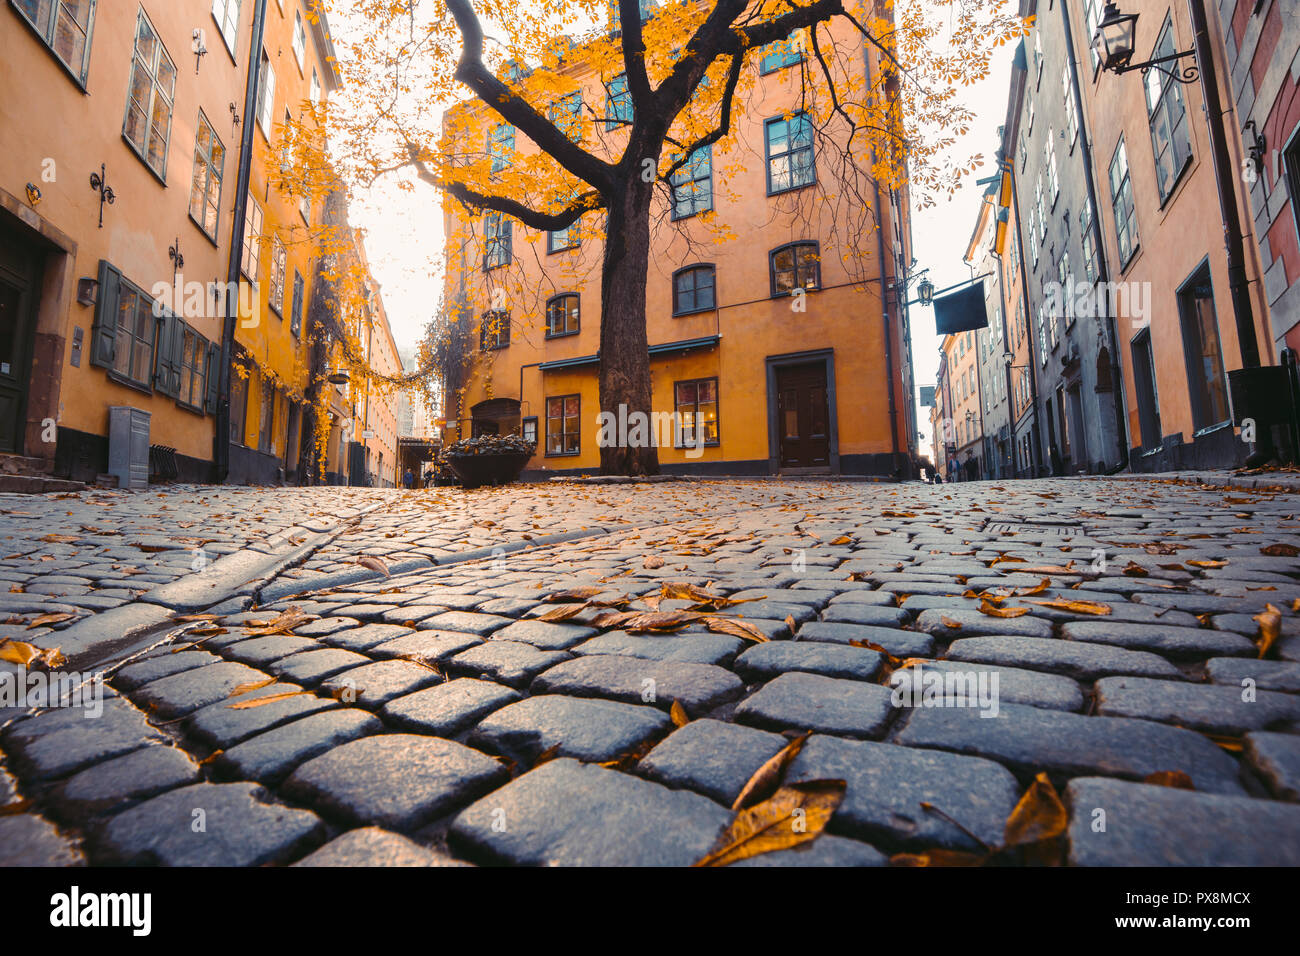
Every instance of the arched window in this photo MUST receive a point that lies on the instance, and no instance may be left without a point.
(562, 315)
(795, 266)
(693, 290)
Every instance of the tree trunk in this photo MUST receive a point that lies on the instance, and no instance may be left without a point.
(624, 347)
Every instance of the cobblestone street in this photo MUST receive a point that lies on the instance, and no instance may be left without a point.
(578, 673)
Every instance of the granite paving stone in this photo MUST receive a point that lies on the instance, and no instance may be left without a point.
(354, 782)
(698, 687)
(1175, 642)
(586, 729)
(373, 685)
(1070, 658)
(108, 786)
(766, 661)
(30, 840)
(567, 813)
(1164, 826)
(1210, 708)
(311, 667)
(897, 642)
(184, 693)
(710, 757)
(375, 846)
(1275, 758)
(446, 710)
(270, 756)
(827, 705)
(509, 662)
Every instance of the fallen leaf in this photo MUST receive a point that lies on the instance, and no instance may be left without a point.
(767, 778)
(938, 857)
(24, 654)
(372, 563)
(1207, 564)
(736, 628)
(561, 613)
(949, 622)
(1038, 588)
(843, 539)
(1280, 550)
(263, 701)
(251, 685)
(1170, 778)
(678, 714)
(1135, 570)
(49, 619)
(1077, 607)
(1270, 627)
(660, 621)
(573, 594)
(992, 611)
(550, 753)
(1038, 816)
(774, 824)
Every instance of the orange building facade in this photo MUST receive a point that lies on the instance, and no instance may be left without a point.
(770, 353)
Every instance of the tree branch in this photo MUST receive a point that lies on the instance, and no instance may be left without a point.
(519, 112)
(638, 82)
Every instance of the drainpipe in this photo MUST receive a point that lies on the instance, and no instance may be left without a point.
(1103, 270)
(1223, 170)
(889, 340)
(221, 440)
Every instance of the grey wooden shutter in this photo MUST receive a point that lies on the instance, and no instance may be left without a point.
(103, 333)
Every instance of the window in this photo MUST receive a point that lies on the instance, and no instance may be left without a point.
(562, 425)
(295, 319)
(779, 55)
(529, 430)
(494, 333)
(148, 122)
(693, 290)
(299, 40)
(252, 239)
(315, 93)
(266, 96)
(565, 113)
(1071, 117)
(696, 404)
(1121, 197)
(1041, 209)
(137, 340)
(1092, 14)
(562, 239)
(1087, 240)
(275, 296)
(226, 13)
(1053, 176)
(193, 369)
(238, 406)
(1207, 382)
(693, 184)
(65, 26)
(1038, 56)
(496, 232)
(618, 103)
(205, 191)
(647, 8)
(789, 153)
(795, 266)
(501, 146)
(1167, 114)
(1066, 279)
(562, 316)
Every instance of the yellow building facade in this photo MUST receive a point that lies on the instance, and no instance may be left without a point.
(782, 349)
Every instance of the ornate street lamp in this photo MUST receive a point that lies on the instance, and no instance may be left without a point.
(925, 292)
(1114, 42)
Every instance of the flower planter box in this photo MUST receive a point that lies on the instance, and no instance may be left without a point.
(489, 468)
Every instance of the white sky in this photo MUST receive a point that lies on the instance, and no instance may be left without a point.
(404, 233)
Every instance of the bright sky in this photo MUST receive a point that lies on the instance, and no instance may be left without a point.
(404, 233)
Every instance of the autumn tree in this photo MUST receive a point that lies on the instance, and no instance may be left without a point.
(879, 84)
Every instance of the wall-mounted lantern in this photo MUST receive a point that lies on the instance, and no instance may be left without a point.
(1114, 42)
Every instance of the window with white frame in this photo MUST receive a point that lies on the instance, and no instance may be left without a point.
(66, 27)
(148, 123)
(226, 13)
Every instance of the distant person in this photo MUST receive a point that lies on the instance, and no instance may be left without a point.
(408, 479)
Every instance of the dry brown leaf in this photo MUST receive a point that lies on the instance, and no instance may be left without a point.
(1038, 588)
(573, 594)
(1270, 628)
(678, 714)
(1038, 816)
(660, 621)
(612, 618)
(372, 563)
(1135, 570)
(794, 815)
(550, 753)
(843, 539)
(767, 778)
(938, 857)
(283, 623)
(263, 701)
(251, 685)
(1280, 550)
(49, 619)
(210, 757)
(736, 628)
(949, 622)
(1170, 778)
(1227, 742)
(1207, 564)
(1048, 569)
(1077, 607)
(61, 538)
(561, 613)
(992, 611)
(27, 655)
